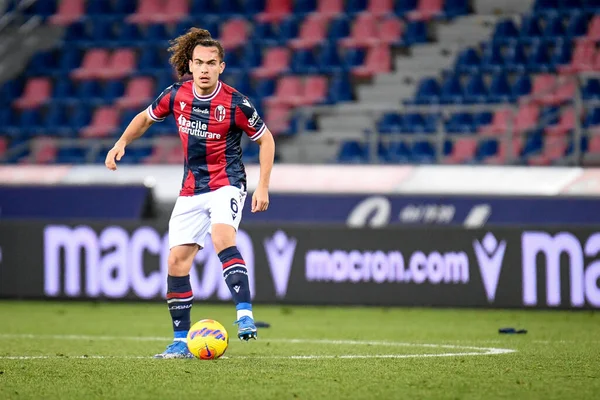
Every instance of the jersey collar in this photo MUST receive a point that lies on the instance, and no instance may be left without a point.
(208, 96)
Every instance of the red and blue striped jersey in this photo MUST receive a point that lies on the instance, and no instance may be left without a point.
(210, 128)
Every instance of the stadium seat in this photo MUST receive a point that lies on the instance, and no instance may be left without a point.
(463, 150)
(426, 10)
(93, 65)
(234, 33)
(105, 121)
(122, 62)
(275, 11)
(139, 93)
(330, 8)
(363, 33)
(593, 33)
(553, 148)
(377, 61)
(380, 8)
(276, 60)
(313, 31)
(174, 11)
(583, 58)
(501, 121)
(391, 30)
(36, 92)
(147, 12)
(68, 11)
(288, 92)
(565, 124)
(278, 119)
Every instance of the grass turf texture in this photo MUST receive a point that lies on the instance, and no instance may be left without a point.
(559, 357)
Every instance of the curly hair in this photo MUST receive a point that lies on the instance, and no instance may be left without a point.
(183, 46)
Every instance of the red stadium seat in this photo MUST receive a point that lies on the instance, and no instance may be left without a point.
(174, 11)
(146, 12)
(175, 155)
(527, 118)
(377, 61)
(278, 119)
(275, 11)
(564, 92)
(68, 12)
(380, 7)
(330, 8)
(94, 63)
(554, 148)
(276, 60)
(593, 34)
(463, 150)
(542, 85)
(234, 33)
(3, 145)
(564, 125)
(122, 63)
(426, 10)
(139, 92)
(163, 149)
(594, 145)
(364, 32)
(104, 122)
(313, 31)
(36, 92)
(391, 30)
(503, 155)
(500, 123)
(315, 90)
(582, 60)
(288, 92)
(43, 150)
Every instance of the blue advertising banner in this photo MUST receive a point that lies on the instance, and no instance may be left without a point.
(470, 211)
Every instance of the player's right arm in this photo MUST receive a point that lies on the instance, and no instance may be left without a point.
(156, 112)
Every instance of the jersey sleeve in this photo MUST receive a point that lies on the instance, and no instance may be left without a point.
(161, 107)
(248, 120)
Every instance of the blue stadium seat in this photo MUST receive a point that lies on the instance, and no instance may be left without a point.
(339, 27)
(80, 117)
(460, 123)
(71, 155)
(414, 33)
(10, 90)
(521, 86)
(352, 152)
(75, 33)
(468, 60)
(157, 34)
(423, 152)
(63, 91)
(238, 80)
(570, 5)
(265, 34)
(545, 6)
(492, 58)
(328, 58)
(251, 55)
(303, 7)
(203, 7)
(428, 92)
(539, 60)
(340, 89)
(229, 8)
(482, 119)
(102, 33)
(530, 29)
(401, 8)
(288, 29)
(592, 118)
(389, 123)
(304, 62)
(233, 62)
(98, 8)
(41, 63)
(591, 6)
(486, 148)
(355, 6)
(264, 88)
(149, 61)
(554, 28)
(454, 8)
(89, 93)
(505, 32)
(353, 58)
(57, 120)
(41, 8)
(591, 89)
(561, 54)
(533, 143)
(399, 153)
(130, 35)
(124, 7)
(577, 26)
(452, 91)
(515, 58)
(475, 90)
(413, 123)
(500, 91)
(113, 90)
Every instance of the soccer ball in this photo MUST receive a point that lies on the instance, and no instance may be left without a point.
(207, 339)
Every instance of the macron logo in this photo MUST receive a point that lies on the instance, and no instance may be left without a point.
(490, 255)
(236, 288)
(182, 104)
(280, 252)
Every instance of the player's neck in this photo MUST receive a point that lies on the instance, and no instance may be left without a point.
(207, 91)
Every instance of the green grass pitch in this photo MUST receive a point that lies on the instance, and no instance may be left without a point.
(61, 350)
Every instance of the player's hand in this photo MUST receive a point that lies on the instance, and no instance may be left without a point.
(115, 154)
(260, 200)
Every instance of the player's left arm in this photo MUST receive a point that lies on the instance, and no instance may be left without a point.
(266, 156)
(247, 119)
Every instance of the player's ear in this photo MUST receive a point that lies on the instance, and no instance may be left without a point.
(190, 64)
(222, 67)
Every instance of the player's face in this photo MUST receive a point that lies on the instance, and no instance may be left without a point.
(206, 68)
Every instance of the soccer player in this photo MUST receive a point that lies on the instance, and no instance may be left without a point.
(211, 117)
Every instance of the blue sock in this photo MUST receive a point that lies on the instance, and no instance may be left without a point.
(236, 275)
(179, 300)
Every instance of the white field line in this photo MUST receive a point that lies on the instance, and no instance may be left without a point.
(473, 351)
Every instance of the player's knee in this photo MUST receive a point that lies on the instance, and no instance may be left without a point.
(221, 242)
(178, 265)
